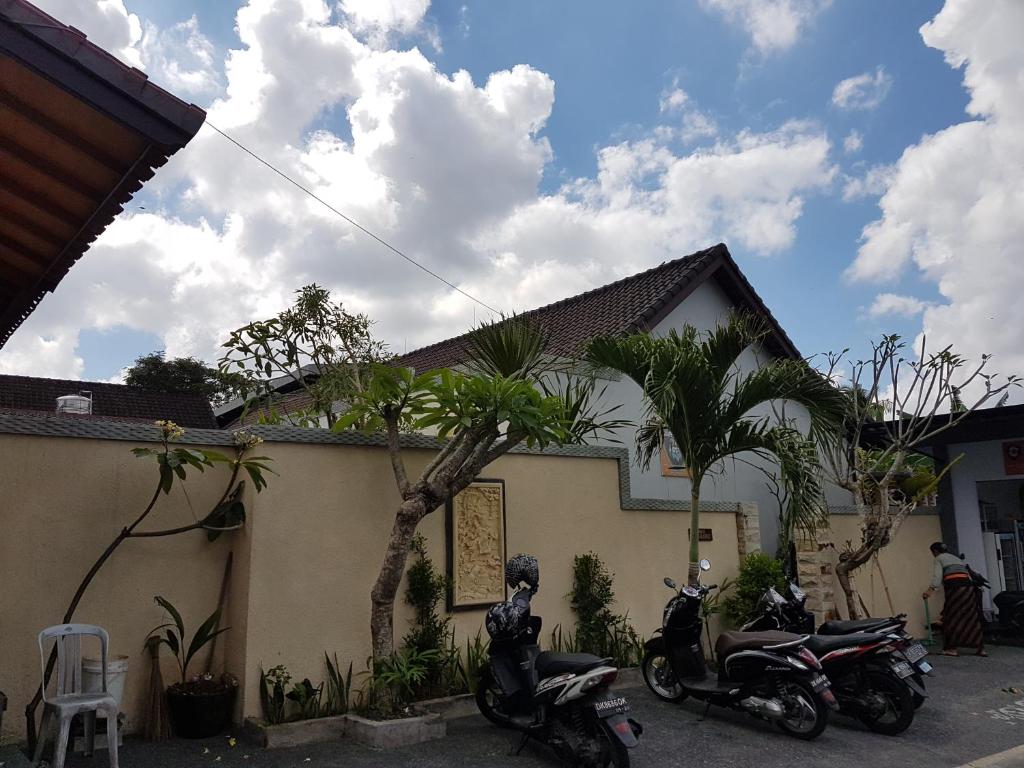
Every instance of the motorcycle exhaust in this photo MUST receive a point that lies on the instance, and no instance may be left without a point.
(766, 708)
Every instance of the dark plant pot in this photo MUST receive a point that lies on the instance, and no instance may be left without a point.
(202, 714)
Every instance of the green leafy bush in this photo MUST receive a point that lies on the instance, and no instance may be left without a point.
(598, 629)
(758, 571)
(394, 682)
(307, 699)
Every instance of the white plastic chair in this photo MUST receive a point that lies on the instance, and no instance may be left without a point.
(69, 699)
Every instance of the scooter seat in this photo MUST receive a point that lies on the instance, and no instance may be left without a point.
(839, 627)
(550, 663)
(820, 645)
(731, 642)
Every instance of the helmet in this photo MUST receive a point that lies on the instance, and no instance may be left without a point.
(504, 621)
(522, 568)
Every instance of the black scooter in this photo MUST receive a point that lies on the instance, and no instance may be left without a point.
(770, 675)
(868, 675)
(560, 699)
(791, 615)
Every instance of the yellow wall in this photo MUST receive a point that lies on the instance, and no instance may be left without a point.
(306, 560)
(319, 533)
(905, 566)
(62, 501)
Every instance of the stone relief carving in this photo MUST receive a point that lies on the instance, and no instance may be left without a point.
(478, 545)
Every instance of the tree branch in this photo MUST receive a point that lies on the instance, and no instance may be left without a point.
(395, 452)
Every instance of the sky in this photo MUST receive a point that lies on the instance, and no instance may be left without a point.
(862, 161)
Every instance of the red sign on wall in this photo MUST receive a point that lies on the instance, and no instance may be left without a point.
(1013, 457)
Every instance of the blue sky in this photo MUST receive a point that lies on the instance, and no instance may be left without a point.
(613, 68)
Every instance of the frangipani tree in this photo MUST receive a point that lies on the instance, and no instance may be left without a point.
(696, 391)
(896, 402)
(502, 400)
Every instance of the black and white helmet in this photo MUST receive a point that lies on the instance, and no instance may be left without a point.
(504, 621)
(523, 568)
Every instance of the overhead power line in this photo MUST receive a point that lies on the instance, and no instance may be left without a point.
(354, 223)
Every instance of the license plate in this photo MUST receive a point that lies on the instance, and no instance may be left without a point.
(902, 669)
(924, 667)
(610, 707)
(819, 684)
(915, 652)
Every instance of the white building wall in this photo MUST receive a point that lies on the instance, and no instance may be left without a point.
(980, 462)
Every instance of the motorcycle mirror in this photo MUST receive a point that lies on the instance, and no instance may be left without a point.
(705, 564)
(670, 583)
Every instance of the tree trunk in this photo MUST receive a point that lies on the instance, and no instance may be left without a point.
(385, 589)
(692, 568)
(843, 574)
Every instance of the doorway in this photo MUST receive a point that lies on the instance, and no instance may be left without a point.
(1001, 509)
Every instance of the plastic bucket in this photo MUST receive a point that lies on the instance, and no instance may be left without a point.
(117, 671)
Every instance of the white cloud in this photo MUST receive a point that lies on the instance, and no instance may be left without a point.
(443, 167)
(773, 25)
(895, 304)
(954, 209)
(873, 183)
(864, 91)
(694, 124)
(180, 58)
(853, 142)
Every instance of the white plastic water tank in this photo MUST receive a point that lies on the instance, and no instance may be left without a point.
(74, 404)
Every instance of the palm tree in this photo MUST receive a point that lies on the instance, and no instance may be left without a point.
(694, 390)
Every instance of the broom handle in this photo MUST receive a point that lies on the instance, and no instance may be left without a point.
(220, 607)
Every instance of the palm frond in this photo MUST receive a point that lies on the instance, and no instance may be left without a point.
(512, 347)
(724, 344)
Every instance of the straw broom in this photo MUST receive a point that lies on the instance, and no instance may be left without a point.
(158, 721)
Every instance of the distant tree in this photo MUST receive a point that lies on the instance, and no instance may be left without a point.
(182, 374)
(316, 342)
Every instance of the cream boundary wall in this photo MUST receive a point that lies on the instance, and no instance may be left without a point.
(906, 565)
(305, 562)
(62, 502)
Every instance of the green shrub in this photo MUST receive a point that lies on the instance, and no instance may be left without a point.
(758, 571)
(598, 629)
(395, 682)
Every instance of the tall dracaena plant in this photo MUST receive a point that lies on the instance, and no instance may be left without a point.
(500, 400)
(695, 389)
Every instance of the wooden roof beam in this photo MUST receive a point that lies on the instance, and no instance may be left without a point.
(61, 133)
(65, 177)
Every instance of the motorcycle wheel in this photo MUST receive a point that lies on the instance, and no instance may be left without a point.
(613, 752)
(488, 700)
(806, 715)
(899, 705)
(660, 678)
(917, 697)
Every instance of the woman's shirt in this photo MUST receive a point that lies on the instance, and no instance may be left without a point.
(947, 560)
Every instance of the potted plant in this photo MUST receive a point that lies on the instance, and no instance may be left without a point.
(200, 706)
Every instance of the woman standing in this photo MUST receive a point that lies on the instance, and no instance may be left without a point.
(961, 621)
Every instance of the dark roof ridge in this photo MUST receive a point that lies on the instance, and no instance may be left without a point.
(629, 278)
(718, 249)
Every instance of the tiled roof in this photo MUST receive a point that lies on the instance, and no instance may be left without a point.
(109, 401)
(634, 303)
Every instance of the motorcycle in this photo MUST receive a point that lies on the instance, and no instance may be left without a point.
(869, 676)
(770, 675)
(791, 616)
(1010, 606)
(560, 699)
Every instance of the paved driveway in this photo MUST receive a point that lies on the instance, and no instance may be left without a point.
(968, 716)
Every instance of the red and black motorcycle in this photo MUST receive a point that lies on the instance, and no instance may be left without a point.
(871, 678)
